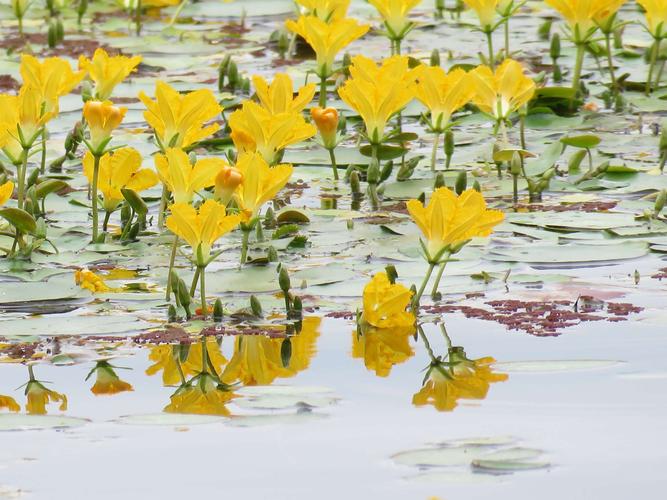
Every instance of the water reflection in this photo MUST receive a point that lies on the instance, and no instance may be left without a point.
(454, 376)
(177, 362)
(39, 396)
(107, 382)
(382, 348)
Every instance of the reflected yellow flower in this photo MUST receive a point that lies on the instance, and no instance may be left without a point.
(326, 120)
(9, 403)
(90, 281)
(107, 382)
(385, 304)
(261, 183)
(102, 118)
(449, 219)
(178, 119)
(204, 395)
(278, 97)
(326, 39)
(656, 17)
(501, 93)
(378, 92)
(486, 12)
(201, 227)
(257, 360)
(580, 15)
(382, 348)
(254, 128)
(165, 360)
(39, 396)
(459, 378)
(6, 191)
(119, 169)
(183, 178)
(53, 77)
(395, 15)
(21, 121)
(226, 182)
(443, 93)
(107, 71)
(326, 10)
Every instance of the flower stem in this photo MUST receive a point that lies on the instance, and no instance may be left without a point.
(107, 216)
(96, 175)
(202, 289)
(244, 245)
(438, 277)
(172, 259)
(42, 168)
(418, 296)
(137, 18)
(443, 329)
(651, 68)
(610, 63)
(581, 51)
(507, 38)
(177, 12)
(22, 170)
(163, 207)
(323, 91)
(489, 42)
(193, 285)
(332, 156)
(434, 151)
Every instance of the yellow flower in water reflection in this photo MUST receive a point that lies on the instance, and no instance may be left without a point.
(459, 378)
(382, 348)
(502, 92)
(39, 396)
(178, 119)
(90, 281)
(107, 71)
(449, 220)
(53, 77)
(385, 304)
(107, 382)
(9, 403)
(6, 191)
(326, 10)
(377, 92)
(165, 358)
(257, 359)
(278, 97)
(203, 395)
(182, 178)
(120, 169)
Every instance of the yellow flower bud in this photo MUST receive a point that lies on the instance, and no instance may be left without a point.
(102, 119)
(326, 120)
(226, 183)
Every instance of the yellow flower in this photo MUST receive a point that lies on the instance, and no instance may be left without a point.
(326, 10)
(443, 93)
(326, 120)
(395, 15)
(254, 128)
(158, 4)
(102, 118)
(385, 304)
(107, 72)
(226, 183)
(183, 178)
(257, 359)
(605, 17)
(107, 382)
(260, 182)
(53, 77)
(485, 10)
(203, 395)
(581, 14)
(449, 219)
(327, 39)
(165, 360)
(279, 96)
(656, 17)
(466, 379)
(382, 348)
(178, 119)
(6, 191)
(378, 92)
(39, 396)
(201, 227)
(90, 281)
(9, 403)
(21, 120)
(118, 170)
(501, 93)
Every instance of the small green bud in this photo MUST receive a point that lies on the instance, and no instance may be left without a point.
(435, 58)
(297, 305)
(386, 171)
(342, 123)
(134, 232)
(60, 30)
(660, 201)
(350, 224)
(439, 181)
(283, 279)
(575, 160)
(272, 254)
(554, 49)
(171, 313)
(52, 36)
(449, 143)
(544, 29)
(557, 73)
(286, 351)
(86, 94)
(476, 186)
(256, 306)
(422, 198)
(232, 74)
(392, 274)
(270, 217)
(373, 172)
(217, 310)
(355, 184)
(515, 164)
(183, 294)
(34, 176)
(461, 182)
(283, 42)
(125, 213)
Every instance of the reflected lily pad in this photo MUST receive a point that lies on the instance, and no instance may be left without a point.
(17, 422)
(168, 419)
(548, 366)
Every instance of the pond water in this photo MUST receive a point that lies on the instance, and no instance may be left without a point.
(558, 318)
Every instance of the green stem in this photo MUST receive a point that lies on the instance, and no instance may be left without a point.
(172, 259)
(581, 51)
(434, 151)
(177, 12)
(23, 169)
(163, 207)
(42, 168)
(515, 188)
(507, 38)
(193, 285)
(397, 43)
(107, 216)
(427, 344)
(489, 42)
(418, 296)
(443, 329)
(522, 130)
(96, 175)
(332, 156)
(438, 277)
(323, 92)
(202, 290)
(610, 62)
(137, 18)
(651, 68)
(244, 245)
